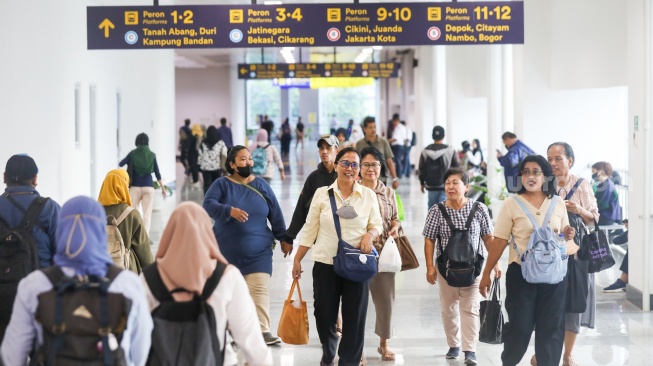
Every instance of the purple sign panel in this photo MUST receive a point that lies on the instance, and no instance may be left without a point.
(305, 25)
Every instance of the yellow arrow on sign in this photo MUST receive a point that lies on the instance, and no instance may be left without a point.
(106, 24)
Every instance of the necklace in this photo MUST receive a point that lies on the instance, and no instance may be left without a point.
(346, 211)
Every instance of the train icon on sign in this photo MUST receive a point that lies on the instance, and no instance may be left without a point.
(434, 33)
(333, 34)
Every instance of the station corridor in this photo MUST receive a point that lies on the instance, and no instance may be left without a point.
(623, 334)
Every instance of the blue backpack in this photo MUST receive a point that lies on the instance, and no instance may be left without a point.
(543, 260)
(260, 157)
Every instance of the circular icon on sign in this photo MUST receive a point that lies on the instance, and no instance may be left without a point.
(333, 34)
(252, 75)
(131, 37)
(365, 73)
(236, 35)
(434, 33)
(291, 74)
(327, 73)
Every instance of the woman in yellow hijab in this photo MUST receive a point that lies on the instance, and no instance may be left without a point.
(114, 196)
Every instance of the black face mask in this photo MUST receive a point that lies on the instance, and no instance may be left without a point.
(244, 171)
(595, 176)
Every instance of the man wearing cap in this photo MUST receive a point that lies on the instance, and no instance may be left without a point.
(20, 178)
(381, 144)
(434, 161)
(323, 176)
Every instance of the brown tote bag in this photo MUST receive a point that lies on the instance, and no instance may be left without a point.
(408, 258)
(293, 324)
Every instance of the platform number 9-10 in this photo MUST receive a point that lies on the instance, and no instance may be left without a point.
(282, 14)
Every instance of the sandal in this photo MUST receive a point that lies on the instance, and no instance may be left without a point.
(386, 354)
(339, 332)
(533, 361)
(363, 360)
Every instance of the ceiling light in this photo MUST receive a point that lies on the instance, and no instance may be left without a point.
(377, 48)
(270, 2)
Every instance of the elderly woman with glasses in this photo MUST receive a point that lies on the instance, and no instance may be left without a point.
(360, 219)
(538, 306)
(382, 286)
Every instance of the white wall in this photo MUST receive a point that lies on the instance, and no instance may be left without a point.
(203, 95)
(39, 71)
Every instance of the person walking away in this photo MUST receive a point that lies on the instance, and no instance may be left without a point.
(363, 221)
(517, 151)
(372, 139)
(475, 158)
(184, 133)
(263, 154)
(434, 162)
(115, 198)
(242, 205)
(212, 153)
(334, 124)
(225, 133)
(582, 211)
(286, 136)
(28, 224)
(299, 133)
(411, 140)
(397, 142)
(382, 285)
(141, 163)
(83, 266)
(530, 306)
(460, 304)
(188, 257)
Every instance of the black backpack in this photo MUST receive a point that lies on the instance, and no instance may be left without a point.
(459, 262)
(83, 323)
(434, 172)
(185, 333)
(18, 255)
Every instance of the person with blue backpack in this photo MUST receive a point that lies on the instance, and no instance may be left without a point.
(263, 154)
(530, 222)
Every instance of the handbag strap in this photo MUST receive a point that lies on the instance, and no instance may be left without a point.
(573, 189)
(447, 218)
(496, 290)
(336, 219)
(295, 283)
(554, 201)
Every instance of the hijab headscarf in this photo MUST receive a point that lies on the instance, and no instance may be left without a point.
(188, 252)
(261, 140)
(197, 130)
(212, 137)
(115, 188)
(82, 237)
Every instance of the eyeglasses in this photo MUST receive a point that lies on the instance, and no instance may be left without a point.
(346, 164)
(371, 165)
(534, 173)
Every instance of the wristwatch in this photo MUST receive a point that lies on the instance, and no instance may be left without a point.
(395, 179)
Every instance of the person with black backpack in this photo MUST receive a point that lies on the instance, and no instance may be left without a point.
(199, 301)
(458, 224)
(434, 162)
(27, 230)
(83, 310)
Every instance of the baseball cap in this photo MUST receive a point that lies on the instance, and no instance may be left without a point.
(438, 133)
(20, 167)
(329, 139)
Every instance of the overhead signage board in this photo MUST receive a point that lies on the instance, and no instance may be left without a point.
(318, 70)
(305, 25)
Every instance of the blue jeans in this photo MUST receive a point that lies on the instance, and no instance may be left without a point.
(436, 197)
(398, 151)
(406, 172)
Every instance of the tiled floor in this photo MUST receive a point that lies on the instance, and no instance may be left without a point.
(623, 334)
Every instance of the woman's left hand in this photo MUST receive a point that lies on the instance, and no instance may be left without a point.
(366, 243)
(572, 207)
(569, 232)
(394, 232)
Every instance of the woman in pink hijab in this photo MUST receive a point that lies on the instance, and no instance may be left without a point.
(188, 255)
(272, 155)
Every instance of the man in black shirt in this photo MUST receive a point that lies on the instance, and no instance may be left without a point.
(324, 176)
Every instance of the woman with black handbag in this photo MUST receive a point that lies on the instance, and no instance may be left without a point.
(581, 209)
(357, 213)
(460, 302)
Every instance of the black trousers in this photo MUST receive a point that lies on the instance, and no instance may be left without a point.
(328, 289)
(533, 306)
(624, 265)
(209, 176)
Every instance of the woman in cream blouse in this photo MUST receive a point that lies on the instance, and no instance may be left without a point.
(360, 220)
(530, 306)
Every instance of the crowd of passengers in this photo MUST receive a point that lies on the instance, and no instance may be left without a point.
(68, 294)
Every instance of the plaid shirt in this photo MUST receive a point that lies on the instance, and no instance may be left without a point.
(436, 227)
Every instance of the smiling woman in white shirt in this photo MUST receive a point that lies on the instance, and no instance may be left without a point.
(360, 219)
